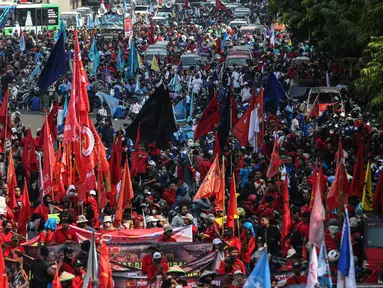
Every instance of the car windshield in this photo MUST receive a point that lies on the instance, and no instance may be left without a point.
(298, 91)
(236, 61)
(324, 97)
(189, 61)
(140, 9)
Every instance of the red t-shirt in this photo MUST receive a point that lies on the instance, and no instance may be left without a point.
(147, 261)
(237, 265)
(68, 267)
(294, 280)
(9, 251)
(5, 238)
(163, 239)
(46, 237)
(61, 236)
(152, 269)
(42, 211)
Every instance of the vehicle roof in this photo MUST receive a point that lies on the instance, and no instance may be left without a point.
(305, 82)
(252, 27)
(324, 89)
(242, 48)
(238, 55)
(190, 56)
(241, 9)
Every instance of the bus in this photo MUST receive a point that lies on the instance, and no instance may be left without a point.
(31, 17)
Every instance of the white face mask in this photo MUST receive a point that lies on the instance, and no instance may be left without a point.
(107, 225)
(154, 211)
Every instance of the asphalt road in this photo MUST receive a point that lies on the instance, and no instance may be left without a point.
(35, 120)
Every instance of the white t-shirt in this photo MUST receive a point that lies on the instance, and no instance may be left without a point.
(196, 84)
(295, 125)
(235, 77)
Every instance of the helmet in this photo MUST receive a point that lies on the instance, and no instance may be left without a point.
(252, 198)
(333, 256)
(241, 212)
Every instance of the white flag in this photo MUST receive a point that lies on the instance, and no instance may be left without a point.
(312, 280)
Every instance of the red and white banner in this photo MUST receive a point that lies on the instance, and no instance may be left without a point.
(181, 234)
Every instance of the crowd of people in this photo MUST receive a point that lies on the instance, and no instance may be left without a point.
(163, 198)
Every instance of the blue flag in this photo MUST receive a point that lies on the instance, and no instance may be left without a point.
(62, 30)
(35, 72)
(175, 83)
(78, 24)
(132, 63)
(273, 89)
(90, 23)
(110, 100)
(324, 274)
(260, 276)
(22, 43)
(120, 61)
(94, 56)
(180, 111)
(346, 266)
(125, 9)
(55, 66)
(96, 21)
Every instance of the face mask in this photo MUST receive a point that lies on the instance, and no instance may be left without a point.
(107, 225)
(154, 211)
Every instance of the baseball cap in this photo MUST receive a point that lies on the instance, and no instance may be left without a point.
(157, 255)
(217, 241)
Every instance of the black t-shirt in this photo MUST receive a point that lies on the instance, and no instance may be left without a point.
(168, 284)
(40, 275)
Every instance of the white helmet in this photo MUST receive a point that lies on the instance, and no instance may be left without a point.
(333, 256)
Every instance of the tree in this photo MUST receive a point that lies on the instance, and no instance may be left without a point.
(370, 82)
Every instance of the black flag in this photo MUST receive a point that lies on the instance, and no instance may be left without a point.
(224, 126)
(156, 120)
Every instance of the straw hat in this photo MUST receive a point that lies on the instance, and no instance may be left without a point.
(65, 276)
(168, 228)
(176, 269)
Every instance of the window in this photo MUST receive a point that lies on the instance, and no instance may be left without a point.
(24, 14)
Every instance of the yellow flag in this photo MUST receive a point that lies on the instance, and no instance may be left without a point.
(367, 190)
(154, 65)
(139, 60)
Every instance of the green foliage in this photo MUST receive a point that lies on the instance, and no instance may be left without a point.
(370, 82)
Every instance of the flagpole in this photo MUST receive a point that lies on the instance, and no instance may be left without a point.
(6, 121)
(340, 188)
(223, 195)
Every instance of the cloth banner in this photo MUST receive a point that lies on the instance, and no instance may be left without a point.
(181, 234)
(180, 111)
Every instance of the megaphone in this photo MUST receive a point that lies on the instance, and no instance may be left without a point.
(120, 10)
(101, 11)
(168, 4)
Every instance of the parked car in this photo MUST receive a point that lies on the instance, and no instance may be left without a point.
(299, 89)
(241, 12)
(237, 58)
(327, 96)
(238, 23)
(189, 60)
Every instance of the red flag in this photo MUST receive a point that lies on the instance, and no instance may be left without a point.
(49, 162)
(105, 270)
(212, 182)
(52, 127)
(126, 194)
(115, 161)
(286, 217)
(59, 183)
(3, 272)
(136, 153)
(219, 5)
(151, 35)
(220, 199)
(232, 207)
(5, 119)
(234, 112)
(316, 232)
(339, 186)
(274, 162)
(210, 117)
(241, 127)
(29, 158)
(377, 201)
(11, 182)
(91, 155)
(20, 32)
(56, 283)
(186, 3)
(25, 211)
(357, 182)
(216, 151)
(314, 109)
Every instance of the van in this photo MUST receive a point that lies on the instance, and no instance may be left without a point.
(189, 60)
(238, 23)
(237, 58)
(141, 9)
(328, 96)
(150, 53)
(251, 28)
(299, 89)
(241, 12)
